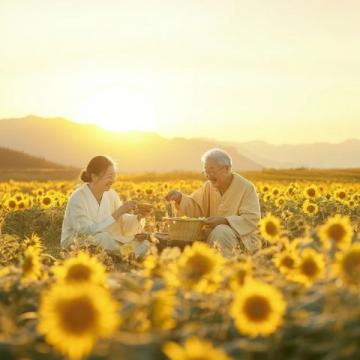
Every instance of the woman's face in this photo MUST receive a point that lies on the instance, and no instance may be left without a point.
(105, 180)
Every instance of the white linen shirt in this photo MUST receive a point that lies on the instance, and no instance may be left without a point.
(85, 216)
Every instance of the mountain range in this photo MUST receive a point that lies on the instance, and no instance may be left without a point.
(12, 159)
(73, 144)
(70, 143)
(316, 155)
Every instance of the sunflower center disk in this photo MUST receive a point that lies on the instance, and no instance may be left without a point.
(288, 262)
(271, 228)
(257, 308)
(78, 315)
(352, 266)
(336, 232)
(198, 266)
(78, 273)
(309, 268)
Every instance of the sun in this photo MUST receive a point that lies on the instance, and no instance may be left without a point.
(117, 109)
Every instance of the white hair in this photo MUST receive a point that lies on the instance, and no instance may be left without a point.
(222, 157)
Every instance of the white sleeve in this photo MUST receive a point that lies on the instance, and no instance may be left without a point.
(129, 223)
(81, 221)
(116, 199)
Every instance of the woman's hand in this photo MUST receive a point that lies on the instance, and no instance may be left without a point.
(125, 208)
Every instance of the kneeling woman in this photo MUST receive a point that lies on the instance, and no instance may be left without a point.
(95, 209)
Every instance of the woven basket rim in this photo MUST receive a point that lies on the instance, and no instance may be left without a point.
(185, 229)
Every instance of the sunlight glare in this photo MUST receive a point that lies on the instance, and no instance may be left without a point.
(117, 110)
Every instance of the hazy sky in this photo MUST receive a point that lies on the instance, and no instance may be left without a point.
(277, 70)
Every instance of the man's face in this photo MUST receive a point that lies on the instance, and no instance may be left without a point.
(105, 180)
(216, 173)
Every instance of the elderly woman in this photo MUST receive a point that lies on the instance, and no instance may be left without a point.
(228, 201)
(95, 209)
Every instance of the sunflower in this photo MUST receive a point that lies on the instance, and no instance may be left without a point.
(198, 268)
(350, 204)
(81, 269)
(194, 349)
(267, 197)
(286, 261)
(310, 208)
(11, 204)
(337, 230)
(270, 228)
(356, 197)
(347, 265)
(311, 192)
(311, 267)
(31, 264)
(72, 318)
(154, 264)
(21, 205)
(280, 201)
(240, 272)
(275, 192)
(341, 195)
(291, 191)
(328, 196)
(258, 309)
(51, 192)
(161, 310)
(46, 201)
(35, 241)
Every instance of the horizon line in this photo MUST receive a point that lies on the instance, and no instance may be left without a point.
(135, 131)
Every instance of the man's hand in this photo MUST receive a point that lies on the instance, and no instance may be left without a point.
(174, 195)
(213, 221)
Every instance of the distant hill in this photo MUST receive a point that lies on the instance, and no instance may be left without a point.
(316, 155)
(69, 143)
(11, 159)
(73, 144)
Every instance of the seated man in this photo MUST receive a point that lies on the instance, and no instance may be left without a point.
(228, 201)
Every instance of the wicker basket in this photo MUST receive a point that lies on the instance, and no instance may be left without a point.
(185, 229)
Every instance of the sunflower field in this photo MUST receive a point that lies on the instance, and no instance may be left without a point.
(296, 298)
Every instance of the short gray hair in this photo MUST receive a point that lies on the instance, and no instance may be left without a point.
(222, 157)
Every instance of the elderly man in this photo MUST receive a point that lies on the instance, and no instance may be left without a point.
(228, 201)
